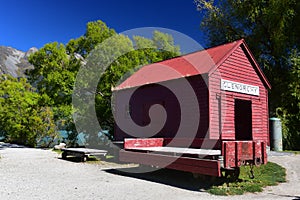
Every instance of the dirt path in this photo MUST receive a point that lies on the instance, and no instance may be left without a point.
(290, 189)
(40, 174)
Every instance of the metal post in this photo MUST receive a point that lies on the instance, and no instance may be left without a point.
(275, 134)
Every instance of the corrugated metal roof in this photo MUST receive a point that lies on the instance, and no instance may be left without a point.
(200, 62)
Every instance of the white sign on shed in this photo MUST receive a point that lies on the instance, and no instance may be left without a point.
(239, 87)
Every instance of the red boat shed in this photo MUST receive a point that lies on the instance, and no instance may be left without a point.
(232, 97)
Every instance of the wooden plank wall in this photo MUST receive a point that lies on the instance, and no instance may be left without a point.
(236, 68)
(146, 96)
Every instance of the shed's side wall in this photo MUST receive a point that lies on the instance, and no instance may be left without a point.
(238, 68)
(146, 96)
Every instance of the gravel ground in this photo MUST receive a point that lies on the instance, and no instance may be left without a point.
(40, 174)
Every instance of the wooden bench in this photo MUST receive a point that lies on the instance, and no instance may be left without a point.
(82, 153)
(155, 145)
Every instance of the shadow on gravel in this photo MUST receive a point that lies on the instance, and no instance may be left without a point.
(78, 159)
(72, 159)
(289, 196)
(169, 177)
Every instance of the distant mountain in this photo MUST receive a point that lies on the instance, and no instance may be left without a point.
(13, 61)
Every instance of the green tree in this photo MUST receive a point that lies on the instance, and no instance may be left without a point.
(289, 111)
(131, 55)
(96, 32)
(22, 120)
(56, 67)
(143, 51)
(271, 30)
(54, 76)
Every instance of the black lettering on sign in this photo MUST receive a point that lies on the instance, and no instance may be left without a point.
(239, 87)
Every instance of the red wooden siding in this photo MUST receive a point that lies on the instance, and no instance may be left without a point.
(237, 153)
(131, 143)
(237, 67)
(146, 96)
(233, 61)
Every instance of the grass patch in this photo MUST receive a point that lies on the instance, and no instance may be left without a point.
(93, 159)
(96, 159)
(109, 157)
(265, 175)
(291, 151)
(57, 151)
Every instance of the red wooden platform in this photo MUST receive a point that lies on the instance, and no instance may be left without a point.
(150, 151)
(179, 151)
(232, 155)
(195, 165)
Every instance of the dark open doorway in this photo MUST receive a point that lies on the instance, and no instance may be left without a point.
(243, 119)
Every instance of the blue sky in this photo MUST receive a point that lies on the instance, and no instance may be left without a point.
(24, 24)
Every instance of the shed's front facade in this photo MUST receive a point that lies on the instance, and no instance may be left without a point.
(239, 93)
(231, 93)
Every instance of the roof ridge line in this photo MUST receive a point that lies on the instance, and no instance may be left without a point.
(238, 43)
